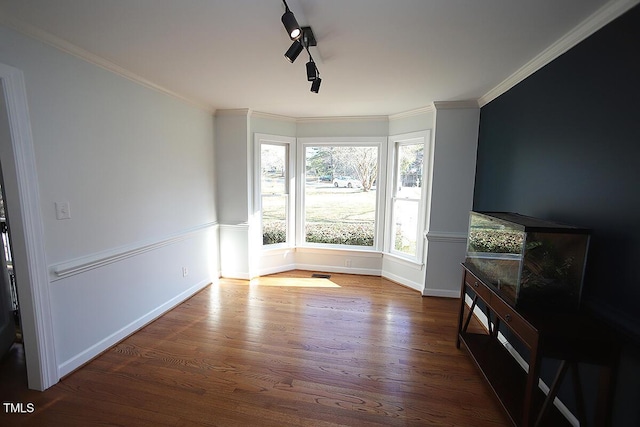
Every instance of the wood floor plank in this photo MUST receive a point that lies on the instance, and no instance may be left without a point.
(351, 351)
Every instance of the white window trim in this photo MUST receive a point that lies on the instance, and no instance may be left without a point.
(380, 143)
(394, 141)
(290, 143)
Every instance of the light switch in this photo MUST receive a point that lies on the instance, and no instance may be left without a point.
(63, 210)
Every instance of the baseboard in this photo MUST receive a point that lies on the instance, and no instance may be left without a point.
(442, 293)
(278, 269)
(403, 281)
(240, 275)
(335, 269)
(76, 362)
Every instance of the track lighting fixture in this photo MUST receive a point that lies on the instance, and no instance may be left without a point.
(315, 86)
(294, 51)
(290, 23)
(302, 39)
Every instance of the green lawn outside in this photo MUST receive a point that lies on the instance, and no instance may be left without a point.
(333, 215)
(325, 203)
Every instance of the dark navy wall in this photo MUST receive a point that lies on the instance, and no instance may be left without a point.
(565, 145)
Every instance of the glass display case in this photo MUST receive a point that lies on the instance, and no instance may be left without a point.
(532, 263)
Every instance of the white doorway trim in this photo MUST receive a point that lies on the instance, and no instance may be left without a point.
(27, 233)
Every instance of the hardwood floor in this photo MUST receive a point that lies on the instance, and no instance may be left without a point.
(284, 350)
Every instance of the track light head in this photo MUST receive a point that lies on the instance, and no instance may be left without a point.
(312, 71)
(315, 86)
(291, 24)
(294, 51)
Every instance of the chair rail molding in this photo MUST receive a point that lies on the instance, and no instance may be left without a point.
(89, 262)
(446, 237)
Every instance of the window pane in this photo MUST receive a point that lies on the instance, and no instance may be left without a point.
(409, 171)
(273, 162)
(274, 197)
(405, 227)
(340, 195)
(274, 219)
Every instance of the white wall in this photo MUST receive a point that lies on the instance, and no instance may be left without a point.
(451, 195)
(272, 125)
(342, 127)
(456, 146)
(136, 167)
(234, 171)
(413, 121)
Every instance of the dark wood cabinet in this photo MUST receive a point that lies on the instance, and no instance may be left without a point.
(571, 338)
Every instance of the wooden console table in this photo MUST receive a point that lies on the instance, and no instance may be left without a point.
(570, 338)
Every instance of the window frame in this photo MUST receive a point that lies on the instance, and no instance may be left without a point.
(290, 188)
(380, 144)
(394, 144)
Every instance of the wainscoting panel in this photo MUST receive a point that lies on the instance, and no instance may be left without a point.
(445, 252)
(97, 304)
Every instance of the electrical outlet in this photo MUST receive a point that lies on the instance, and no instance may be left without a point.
(63, 210)
(347, 262)
(185, 271)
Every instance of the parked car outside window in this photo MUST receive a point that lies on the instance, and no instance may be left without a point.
(346, 181)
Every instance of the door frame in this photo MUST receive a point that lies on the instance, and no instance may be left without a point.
(27, 234)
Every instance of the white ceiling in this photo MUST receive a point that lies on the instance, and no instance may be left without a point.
(375, 57)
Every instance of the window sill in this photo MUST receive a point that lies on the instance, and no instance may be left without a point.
(366, 253)
(336, 250)
(281, 248)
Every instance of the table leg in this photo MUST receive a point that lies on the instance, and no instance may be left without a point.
(553, 391)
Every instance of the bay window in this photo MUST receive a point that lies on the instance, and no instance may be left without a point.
(337, 197)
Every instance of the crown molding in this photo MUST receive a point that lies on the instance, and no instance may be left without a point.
(343, 119)
(245, 112)
(596, 21)
(412, 113)
(70, 48)
(455, 105)
(271, 116)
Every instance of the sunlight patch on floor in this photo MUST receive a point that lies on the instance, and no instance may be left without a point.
(294, 282)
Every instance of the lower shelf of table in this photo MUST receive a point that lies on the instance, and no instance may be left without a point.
(507, 378)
